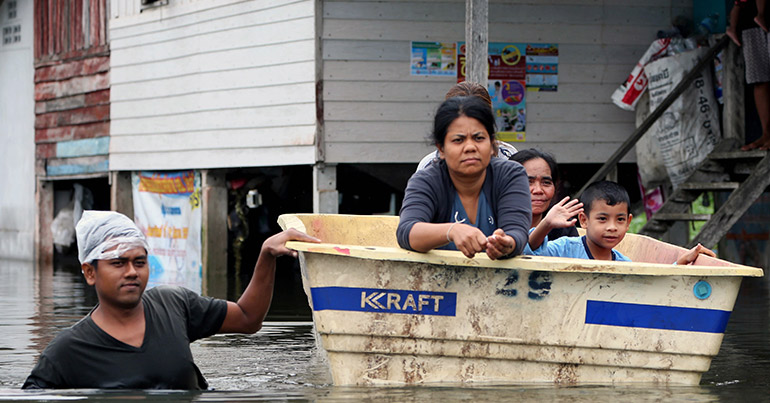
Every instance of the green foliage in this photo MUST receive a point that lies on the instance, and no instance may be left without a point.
(640, 218)
(698, 207)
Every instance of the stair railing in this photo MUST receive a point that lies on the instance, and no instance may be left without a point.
(657, 113)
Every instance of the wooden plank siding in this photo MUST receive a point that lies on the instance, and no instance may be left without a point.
(212, 84)
(374, 111)
(72, 87)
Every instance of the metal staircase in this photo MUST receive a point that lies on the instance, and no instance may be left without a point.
(746, 174)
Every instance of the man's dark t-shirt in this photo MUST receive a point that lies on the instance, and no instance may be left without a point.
(85, 356)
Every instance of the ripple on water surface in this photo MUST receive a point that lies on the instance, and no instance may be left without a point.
(281, 363)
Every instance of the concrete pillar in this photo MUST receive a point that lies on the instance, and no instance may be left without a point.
(214, 236)
(325, 195)
(121, 193)
(44, 217)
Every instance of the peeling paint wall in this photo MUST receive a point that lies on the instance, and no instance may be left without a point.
(17, 152)
(72, 88)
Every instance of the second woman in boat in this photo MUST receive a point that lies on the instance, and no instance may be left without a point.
(543, 176)
(469, 201)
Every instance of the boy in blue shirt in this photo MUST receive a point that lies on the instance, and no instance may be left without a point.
(605, 217)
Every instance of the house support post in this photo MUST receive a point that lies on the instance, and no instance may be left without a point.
(476, 41)
(733, 114)
(325, 195)
(44, 218)
(121, 193)
(214, 233)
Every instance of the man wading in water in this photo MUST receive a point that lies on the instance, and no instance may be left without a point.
(141, 340)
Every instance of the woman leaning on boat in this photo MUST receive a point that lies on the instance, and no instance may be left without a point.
(468, 201)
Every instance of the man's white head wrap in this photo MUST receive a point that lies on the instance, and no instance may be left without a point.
(106, 235)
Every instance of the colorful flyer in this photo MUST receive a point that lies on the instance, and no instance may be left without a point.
(433, 59)
(507, 61)
(509, 107)
(167, 209)
(542, 67)
(507, 87)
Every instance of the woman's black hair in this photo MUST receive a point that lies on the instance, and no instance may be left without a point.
(523, 156)
(453, 108)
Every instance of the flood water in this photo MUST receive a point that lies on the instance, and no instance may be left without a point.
(280, 363)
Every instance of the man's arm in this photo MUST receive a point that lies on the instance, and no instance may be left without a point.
(691, 255)
(247, 314)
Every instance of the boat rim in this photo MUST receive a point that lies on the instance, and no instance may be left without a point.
(522, 262)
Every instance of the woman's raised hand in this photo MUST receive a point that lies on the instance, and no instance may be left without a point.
(468, 239)
(563, 213)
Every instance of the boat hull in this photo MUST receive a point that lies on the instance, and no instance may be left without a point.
(390, 320)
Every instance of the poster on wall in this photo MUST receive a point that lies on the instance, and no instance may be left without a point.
(542, 67)
(506, 86)
(433, 59)
(167, 209)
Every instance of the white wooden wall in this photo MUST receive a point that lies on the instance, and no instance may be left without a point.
(212, 84)
(376, 112)
(17, 135)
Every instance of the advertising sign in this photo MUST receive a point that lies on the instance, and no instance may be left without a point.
(542, 67)
(506, 86)
(167, 209)
(433, 59)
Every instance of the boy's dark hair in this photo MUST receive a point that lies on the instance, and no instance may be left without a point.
(610, 192)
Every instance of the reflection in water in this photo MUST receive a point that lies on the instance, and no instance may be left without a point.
(281, 356)
(17, 304)
(281, 363)
(743, 362)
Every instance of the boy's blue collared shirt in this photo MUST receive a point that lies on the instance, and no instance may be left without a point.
(575, 247)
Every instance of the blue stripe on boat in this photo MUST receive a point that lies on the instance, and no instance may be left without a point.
(384, 300)
(656, 317)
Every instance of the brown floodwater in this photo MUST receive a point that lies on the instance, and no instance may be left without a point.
(281, 363)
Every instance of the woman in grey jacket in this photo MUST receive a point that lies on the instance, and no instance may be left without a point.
(469, 201)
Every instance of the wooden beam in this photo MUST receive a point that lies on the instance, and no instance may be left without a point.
(44, 218)
(325, 194)
(121, 193)
(682, 217)
(320, 132)
(658, 112)
(737, 204)
(476, 40)
(733, 114)
(214, 233)
(709, 185)
(734, 155)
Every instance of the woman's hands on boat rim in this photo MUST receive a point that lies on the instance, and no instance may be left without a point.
(470, 240)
